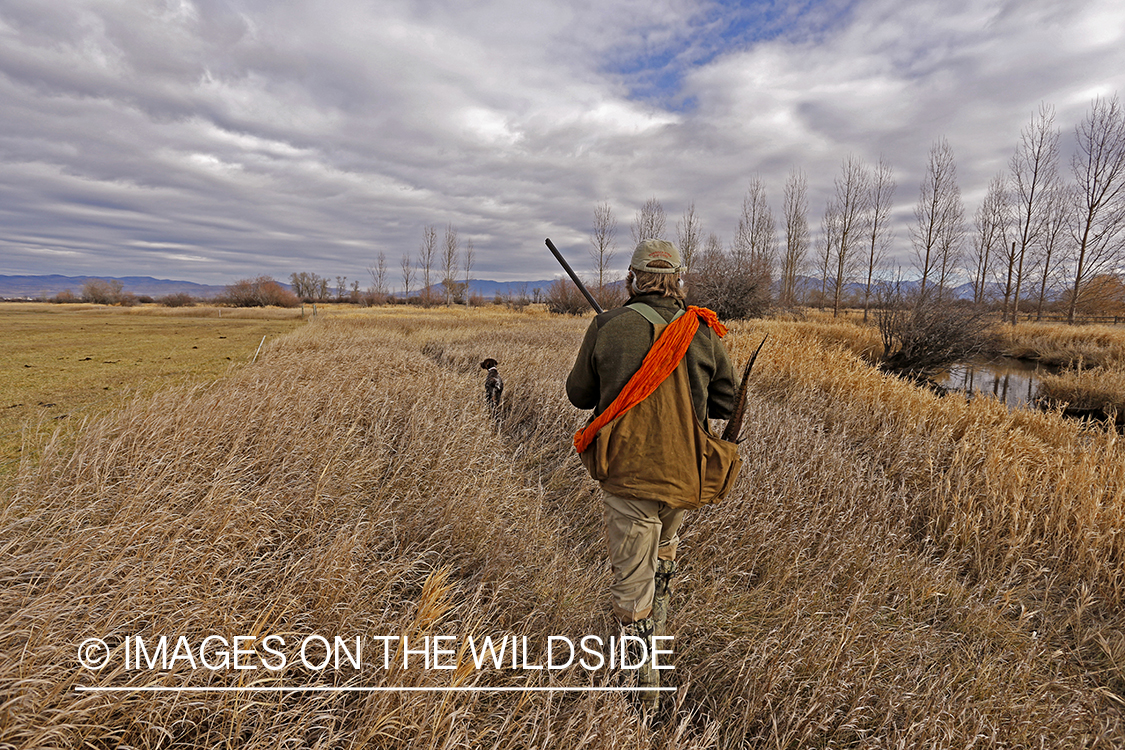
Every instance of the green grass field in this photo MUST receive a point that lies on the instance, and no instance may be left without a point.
(65, 362)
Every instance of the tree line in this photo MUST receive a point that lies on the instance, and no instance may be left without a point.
(1041, 238)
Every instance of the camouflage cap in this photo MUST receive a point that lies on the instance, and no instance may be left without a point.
(653, 250)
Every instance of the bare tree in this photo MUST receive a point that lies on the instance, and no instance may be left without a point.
(709, 257)
(341, 287)
(689, 235)
(649, 222)
(880, 196)
(1034, 167)
(1056, 227)
(305, 285)
(712, 250)
(426, 256)
(829, 234)
(850, 206)
(755, 241)
(990, 240)
(449, 263)
(796, 234)
(470, 256)
(379, 277)
(951, 243)
(603, 241)
(407, 266)
(1008, 259)
(102, 292)
(1099, 171)
(938, 217)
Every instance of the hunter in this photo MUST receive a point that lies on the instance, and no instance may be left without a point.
(647, 459)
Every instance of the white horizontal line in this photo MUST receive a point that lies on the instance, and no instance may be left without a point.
(326, 689)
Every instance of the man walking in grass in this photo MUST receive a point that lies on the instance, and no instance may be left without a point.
(643, 443)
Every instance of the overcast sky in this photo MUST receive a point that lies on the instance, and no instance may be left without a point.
(211, 140)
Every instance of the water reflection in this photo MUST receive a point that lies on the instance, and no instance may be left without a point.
(1013, 381)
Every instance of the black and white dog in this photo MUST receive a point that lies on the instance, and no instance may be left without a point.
(493, 383)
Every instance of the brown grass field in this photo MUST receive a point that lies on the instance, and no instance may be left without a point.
(892, 570)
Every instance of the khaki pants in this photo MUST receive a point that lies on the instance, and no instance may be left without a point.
(639, 532)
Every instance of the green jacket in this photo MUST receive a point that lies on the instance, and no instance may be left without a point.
(615, 345)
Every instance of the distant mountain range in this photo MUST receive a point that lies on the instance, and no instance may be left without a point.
(807, 285)
(489, 289)
(35, 287)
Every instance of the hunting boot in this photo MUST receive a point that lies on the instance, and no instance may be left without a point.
(647, 677)
(664, 571)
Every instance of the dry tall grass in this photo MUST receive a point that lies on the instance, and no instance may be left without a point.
(1064, 345)
(1099, 389)
(891, 570)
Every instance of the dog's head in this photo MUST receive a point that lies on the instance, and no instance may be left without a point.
(488, 364)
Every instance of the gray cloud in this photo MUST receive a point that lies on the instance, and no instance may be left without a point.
(214, 140)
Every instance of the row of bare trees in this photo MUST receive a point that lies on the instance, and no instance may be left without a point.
(855, 231)
(734, 281)
(738, 280)
(444, 268)
(443, 263)
(1036, 238)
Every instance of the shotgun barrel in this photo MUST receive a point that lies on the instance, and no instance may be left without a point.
(574, 277)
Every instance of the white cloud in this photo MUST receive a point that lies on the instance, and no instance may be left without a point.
(280, 137)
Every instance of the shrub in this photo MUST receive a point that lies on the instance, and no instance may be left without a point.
(101, 291)
(920, 335)
(1103, 294)
(372, 298)
(563, 298)
(260, 292)
(611, 295)
(179, 299)
(734, 292)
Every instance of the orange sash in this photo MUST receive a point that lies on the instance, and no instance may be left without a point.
(658, 364)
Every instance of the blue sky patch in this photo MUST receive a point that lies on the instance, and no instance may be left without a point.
(654, 71)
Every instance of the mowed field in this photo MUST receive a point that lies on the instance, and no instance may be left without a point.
(891, 570)
(68, 362)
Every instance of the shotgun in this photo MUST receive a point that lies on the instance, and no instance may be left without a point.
(574, 277)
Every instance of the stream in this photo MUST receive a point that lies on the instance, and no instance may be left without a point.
(1014, 381)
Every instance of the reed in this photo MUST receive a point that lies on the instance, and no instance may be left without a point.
(1099, 389)
(1063, 345)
